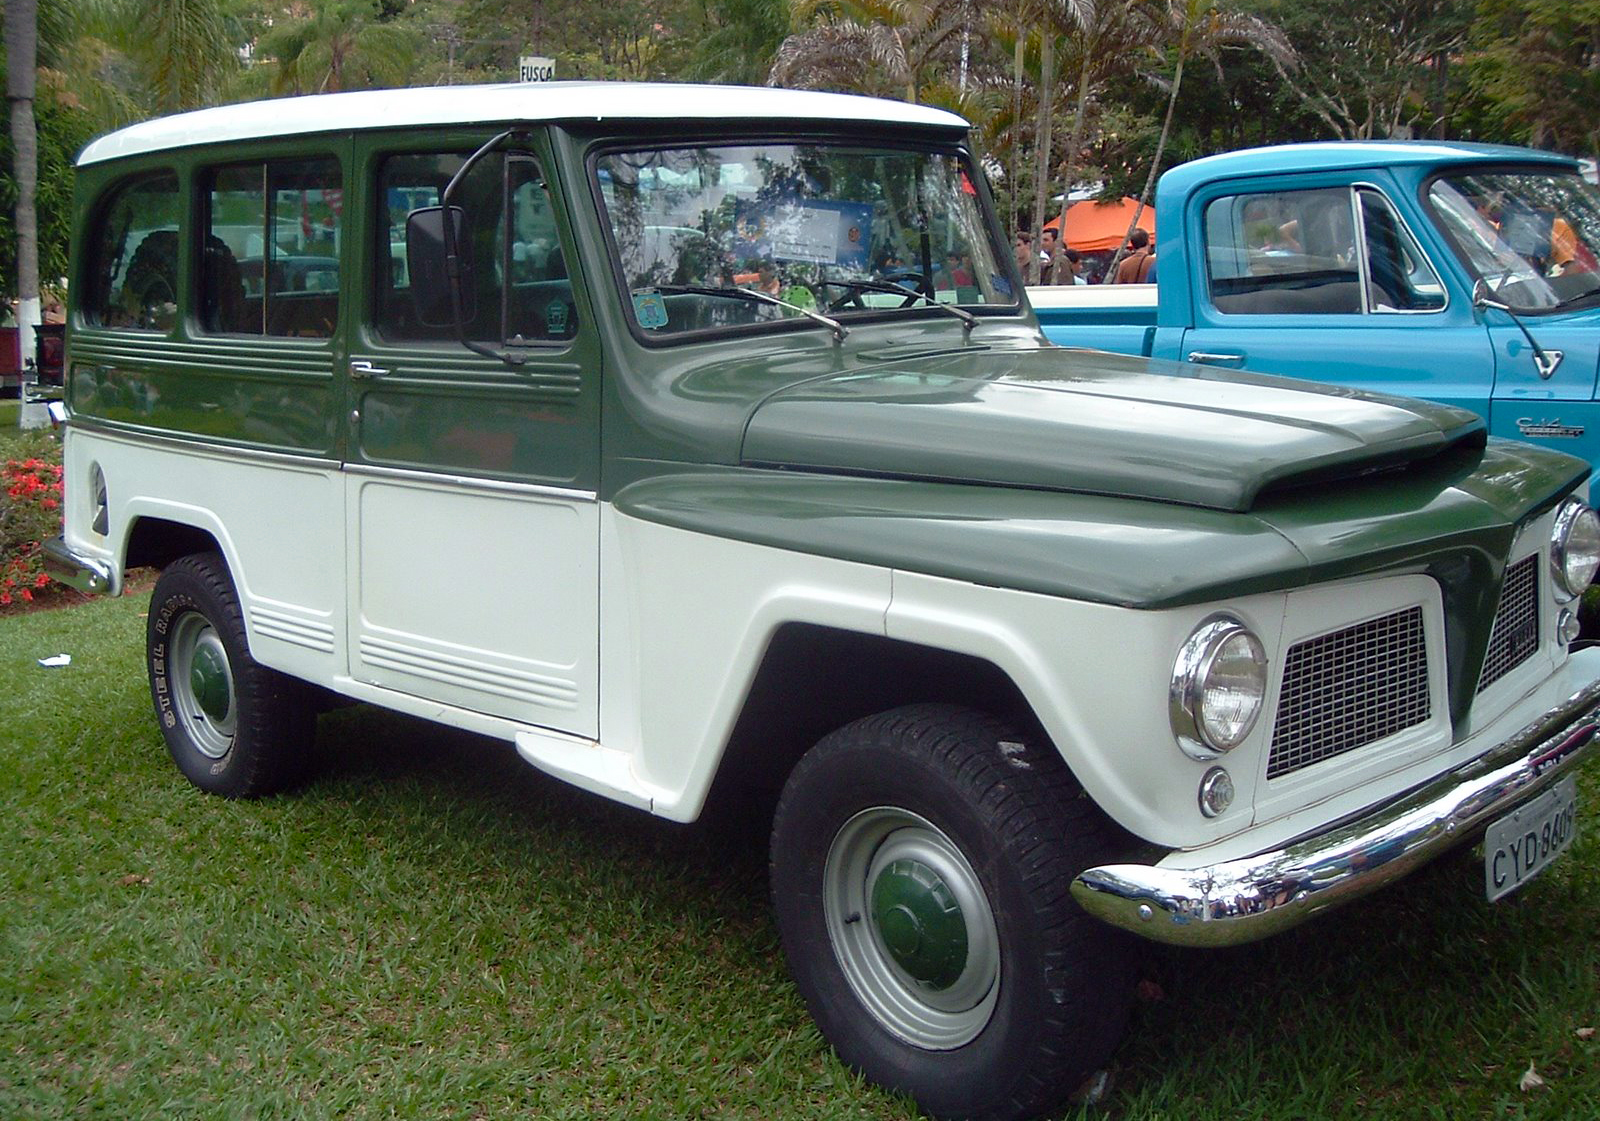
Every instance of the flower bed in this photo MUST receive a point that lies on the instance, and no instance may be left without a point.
(30, 513)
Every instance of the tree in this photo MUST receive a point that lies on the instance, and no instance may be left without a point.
(184, 48)
(1370, 69)
(891, 48)
(1201, 27)
(737, 41)
(341, 45)
(1535, 68)
(1106, 32)
(22, 49)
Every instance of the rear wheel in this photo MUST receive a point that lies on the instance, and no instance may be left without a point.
(234, 727)
(921, 861)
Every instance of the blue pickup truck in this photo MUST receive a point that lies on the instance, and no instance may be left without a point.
(1465, 273)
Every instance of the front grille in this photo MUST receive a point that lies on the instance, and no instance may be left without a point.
(1350, 688)
(1515, 635)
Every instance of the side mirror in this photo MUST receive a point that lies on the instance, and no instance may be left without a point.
(437, 278)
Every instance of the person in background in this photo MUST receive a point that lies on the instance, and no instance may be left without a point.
(1135, 267)
(1024, 252)
(1070, 268)
(1051, 267)
(954, 274)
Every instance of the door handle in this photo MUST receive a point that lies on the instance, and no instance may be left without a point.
(361, 368)
(1210, 359)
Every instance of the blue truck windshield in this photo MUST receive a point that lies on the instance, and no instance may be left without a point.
(1532, 236)
(829, 228)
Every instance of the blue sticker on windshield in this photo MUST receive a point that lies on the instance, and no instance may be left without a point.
(650, 310)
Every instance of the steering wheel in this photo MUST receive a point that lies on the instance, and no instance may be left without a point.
(851, 297)
(923, 287)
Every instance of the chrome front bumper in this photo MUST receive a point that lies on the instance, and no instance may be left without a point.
(67, 566)
(1242, 900)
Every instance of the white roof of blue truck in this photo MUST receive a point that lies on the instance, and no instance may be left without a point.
(517, 101)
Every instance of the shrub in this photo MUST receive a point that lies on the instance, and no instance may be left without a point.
(30, 512)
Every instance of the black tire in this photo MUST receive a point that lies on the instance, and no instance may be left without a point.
(1020, 1001)
(234, 727)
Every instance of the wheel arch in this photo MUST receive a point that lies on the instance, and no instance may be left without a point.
(814, 679)
(155, 540)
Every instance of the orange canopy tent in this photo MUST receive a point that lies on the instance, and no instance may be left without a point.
(1094, 227)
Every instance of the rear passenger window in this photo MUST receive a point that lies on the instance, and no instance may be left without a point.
(133, 272)
(270, 259)
(519, 290)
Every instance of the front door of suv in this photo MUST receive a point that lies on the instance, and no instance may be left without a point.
(472, 517)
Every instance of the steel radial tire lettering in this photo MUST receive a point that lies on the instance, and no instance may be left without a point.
(921, 860)
(234, 727)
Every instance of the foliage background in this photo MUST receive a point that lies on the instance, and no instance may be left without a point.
(1517, 71)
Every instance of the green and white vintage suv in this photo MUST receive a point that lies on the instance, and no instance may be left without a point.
(699, 443)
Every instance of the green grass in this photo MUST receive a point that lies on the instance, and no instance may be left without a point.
(431, 929)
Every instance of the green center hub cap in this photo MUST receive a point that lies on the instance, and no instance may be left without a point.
(208, 680)
(920, 922)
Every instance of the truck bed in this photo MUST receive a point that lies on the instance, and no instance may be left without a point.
(1114, 317)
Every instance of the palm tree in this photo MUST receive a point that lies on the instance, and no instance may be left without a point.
(741, 41)
(1201, 27)
(342, 44)
(122, 60)
(1106, 33)
(886, 47)
(22, 49)
(182, 47)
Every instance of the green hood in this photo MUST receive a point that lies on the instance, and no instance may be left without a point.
(1052, 419)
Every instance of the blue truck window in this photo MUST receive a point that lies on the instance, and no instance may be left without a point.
(1399, 276)
(1283, 253)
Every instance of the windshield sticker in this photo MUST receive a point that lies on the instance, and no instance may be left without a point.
(556, 317)
(822, 233)
(650, 310)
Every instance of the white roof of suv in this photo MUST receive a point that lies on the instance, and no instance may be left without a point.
(517, 101)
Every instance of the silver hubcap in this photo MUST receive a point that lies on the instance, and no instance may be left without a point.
(912, 928)
(202, 685)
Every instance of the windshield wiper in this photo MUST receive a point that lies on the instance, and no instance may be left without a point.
(968, 320)
(1584, 295)
(749, 295)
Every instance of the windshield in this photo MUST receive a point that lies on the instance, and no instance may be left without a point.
(1532, 236)
(829, 228)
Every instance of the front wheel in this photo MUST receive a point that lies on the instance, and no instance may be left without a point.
(233, 726)
(920, 866)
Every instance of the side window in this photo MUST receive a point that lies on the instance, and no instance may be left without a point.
(133, 274)
(270, 260)
(1283, 253)
(519, 289)
(1399, 276)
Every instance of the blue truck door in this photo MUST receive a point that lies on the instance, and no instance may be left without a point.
(1557, 410)
(1327, 282)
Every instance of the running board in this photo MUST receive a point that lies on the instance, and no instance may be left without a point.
(588, 766)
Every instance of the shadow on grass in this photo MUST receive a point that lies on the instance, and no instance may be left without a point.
(481, 794)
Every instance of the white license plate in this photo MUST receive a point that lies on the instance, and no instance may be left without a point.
(1523, 843)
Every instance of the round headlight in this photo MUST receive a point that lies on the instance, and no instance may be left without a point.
(1218, 683)
(1574, 548)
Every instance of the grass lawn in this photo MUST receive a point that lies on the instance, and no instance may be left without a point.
(431, 929)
